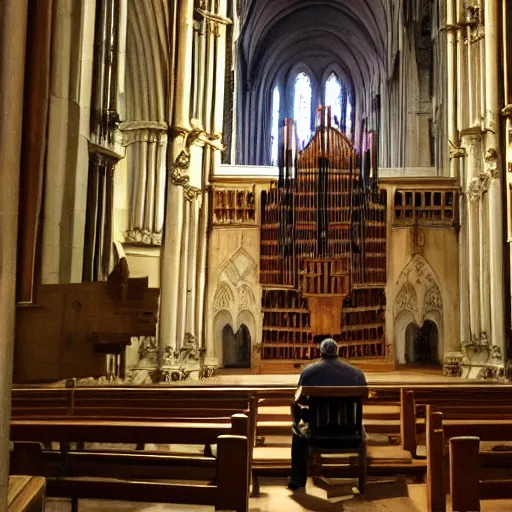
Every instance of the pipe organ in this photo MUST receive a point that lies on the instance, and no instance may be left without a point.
(323, 254)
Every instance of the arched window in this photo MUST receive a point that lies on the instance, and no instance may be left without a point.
(333, 98)
(274, 135)
(348, 129)
(302, 108)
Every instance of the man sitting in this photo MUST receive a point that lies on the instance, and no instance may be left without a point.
(328, 371)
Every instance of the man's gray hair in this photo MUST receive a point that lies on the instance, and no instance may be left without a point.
(329, 348)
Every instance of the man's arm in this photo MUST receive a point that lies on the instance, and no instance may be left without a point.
(362, 379)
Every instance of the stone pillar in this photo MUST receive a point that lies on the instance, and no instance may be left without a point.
(170, 267)
(178, 162)
(202, 255)
(495, 212)
(183, 281)
(147, 153)
(464, 307)
(67, 157)
(451, 76)
(471, 141)
(13, 23)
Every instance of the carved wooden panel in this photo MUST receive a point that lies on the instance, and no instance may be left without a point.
(232, 206)
(437, 207)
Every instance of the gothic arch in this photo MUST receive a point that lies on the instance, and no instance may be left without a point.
(246, 299)
(224, 298)
(221, 319)
(404, 318)
(406, 300)
(418, 299)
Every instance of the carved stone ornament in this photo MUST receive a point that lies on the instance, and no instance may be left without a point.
(180, 179)
(491, 162)
(456, 151)
(433, 300)
(148, 351)
(406, 298)
(479, 185)
(180, 364)
(143, 131)
(143, 236)
(223, 298)
(246, 298)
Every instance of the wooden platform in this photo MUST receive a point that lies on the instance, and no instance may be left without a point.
(401, 376)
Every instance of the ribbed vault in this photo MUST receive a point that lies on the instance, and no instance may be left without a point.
(277, 36)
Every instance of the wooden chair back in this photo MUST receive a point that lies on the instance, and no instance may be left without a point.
(334, 416)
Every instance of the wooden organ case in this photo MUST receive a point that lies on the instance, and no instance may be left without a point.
(323, 255)
(74, 326)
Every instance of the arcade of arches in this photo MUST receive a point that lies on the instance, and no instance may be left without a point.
(277, 170)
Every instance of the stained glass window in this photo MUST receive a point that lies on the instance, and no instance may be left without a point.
(302, 108)
(274, 138)
(333, 92)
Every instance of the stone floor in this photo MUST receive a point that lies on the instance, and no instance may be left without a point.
(380, 497)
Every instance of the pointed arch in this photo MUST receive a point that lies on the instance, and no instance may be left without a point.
(223, 298)
(334, 93)
(302, 107)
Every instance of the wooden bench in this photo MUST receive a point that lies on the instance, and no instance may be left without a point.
(438, 432)
(26, 494)
(487, 406)
(76, 475)
(207, 405)
(467, 467)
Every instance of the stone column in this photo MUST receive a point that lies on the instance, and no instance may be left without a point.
(13, 23)
(464, 307)
(193, 266)
(183, 281)
(67, 157)
(451, 75)
(473, 268)
(147, 153)
(471, 141)
(178, 162)
(495, 215)
(170, 268)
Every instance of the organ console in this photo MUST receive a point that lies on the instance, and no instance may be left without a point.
(73, 327)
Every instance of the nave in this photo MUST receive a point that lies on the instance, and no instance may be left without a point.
(161, 444)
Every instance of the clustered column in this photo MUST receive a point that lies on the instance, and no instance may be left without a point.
(472, 68)
(195, 143)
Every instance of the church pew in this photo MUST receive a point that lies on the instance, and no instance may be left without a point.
(124, 403)
(76, 476)
(464, 438)
(489, 409)
(468, 484)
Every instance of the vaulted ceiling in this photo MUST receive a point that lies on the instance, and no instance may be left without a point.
(354, 34)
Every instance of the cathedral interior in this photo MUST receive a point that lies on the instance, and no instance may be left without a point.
(194, 188)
